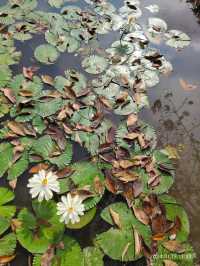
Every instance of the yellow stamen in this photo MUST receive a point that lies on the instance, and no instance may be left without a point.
(45, 182)
(70, 210)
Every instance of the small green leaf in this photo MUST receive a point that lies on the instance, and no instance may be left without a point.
(46, 54)
(84, 220)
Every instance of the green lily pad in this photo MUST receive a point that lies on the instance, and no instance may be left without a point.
(8, 244)
(93, 256)
(94, 64)
(46, 54)
(84, 220)
(39, 230)
(84, 175)
(6, 211)
(173, 210)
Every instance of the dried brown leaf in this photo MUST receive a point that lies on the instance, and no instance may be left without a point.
(174, 246)
(116, 218)
(141, 215)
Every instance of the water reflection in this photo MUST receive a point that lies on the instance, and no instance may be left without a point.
(175, 113)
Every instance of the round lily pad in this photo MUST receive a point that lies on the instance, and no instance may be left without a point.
(84, 220)
(46, 54)
(38, 231)
(94, 64)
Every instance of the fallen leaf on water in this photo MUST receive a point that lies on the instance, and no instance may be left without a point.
(174, 246)
(15, 224)
(170, 263)
(47, 257)
(6, 259)
(138, 242)
(132, 119)
(98, 186)
(125, 250)
(16, 127)
(141, 215)
(187, 86)
(9, 94)
(29, 72)
(13, 184)
(47, 79)
(116, 218)
(41, 166)
(172, 152)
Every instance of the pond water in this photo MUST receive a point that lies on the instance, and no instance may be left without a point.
(174, 113)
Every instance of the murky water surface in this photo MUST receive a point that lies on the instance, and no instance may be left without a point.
(175, 113)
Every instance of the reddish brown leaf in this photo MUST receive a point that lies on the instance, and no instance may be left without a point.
(41, 166)
(29, 72)
(47, 257)
(126, 176)
(141, 215)
(174, 246)
(65, 172)
(98, 186)
(170, 263)
(9, 94)
(6, 259)
(16, 127)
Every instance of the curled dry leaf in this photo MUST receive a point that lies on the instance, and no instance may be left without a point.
(125, 250)
(9, 94)
(13, 184)
(29, 72)
(138, 242)
(170, 263)
(132, 119)
(15, 224)
(141, 215)
(41, 166)
(116, 218)
(47, 257)
(47, 79)
(98, 186)
(174, 246)
(125, 164)
(6, 259)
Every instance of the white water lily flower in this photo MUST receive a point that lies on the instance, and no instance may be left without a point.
(70, 208)
(153, 8)
(43, 184)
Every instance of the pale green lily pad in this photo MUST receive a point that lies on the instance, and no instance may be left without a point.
(94, 64)
(177, 39)
(46, 54)
(84, 220)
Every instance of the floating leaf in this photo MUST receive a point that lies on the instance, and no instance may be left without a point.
(38, 231)
(7, 245)
(94, 64)
(84, 220)
(46, 54)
